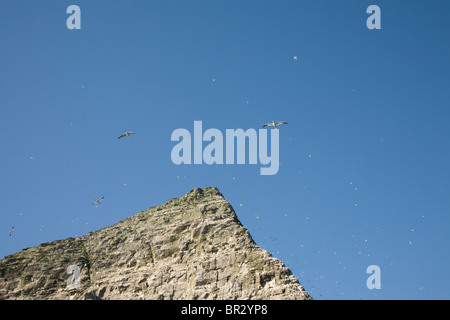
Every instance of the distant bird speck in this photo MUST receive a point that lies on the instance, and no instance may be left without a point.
(11, 231)
(126, 134)
(295, 58)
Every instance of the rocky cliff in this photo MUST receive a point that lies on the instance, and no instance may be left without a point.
(193, 247)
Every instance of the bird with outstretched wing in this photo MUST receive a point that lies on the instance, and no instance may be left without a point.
(274, 124)
(97, 201)
(126, 134)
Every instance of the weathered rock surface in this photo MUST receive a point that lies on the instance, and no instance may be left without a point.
(193, 247)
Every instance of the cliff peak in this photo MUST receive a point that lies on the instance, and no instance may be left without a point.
(192, 247)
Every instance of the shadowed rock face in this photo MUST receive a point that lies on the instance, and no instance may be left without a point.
(193, 247)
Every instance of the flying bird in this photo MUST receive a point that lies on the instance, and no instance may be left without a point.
(11, 231)
(127, 133)
(98, 201)
(275, 124)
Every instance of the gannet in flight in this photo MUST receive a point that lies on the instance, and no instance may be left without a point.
(127, 133)
(98, 201)
(275, 124)
(11, 231)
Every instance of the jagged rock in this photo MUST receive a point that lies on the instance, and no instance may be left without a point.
(193, 247)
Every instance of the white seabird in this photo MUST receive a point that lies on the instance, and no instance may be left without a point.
(97, 201)
(274, 124)
(127, 133)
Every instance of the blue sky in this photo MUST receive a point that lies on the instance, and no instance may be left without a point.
(364, 177)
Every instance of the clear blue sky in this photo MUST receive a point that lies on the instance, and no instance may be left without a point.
(364, 176)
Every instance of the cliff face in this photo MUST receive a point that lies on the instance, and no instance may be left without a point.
(193, 247)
